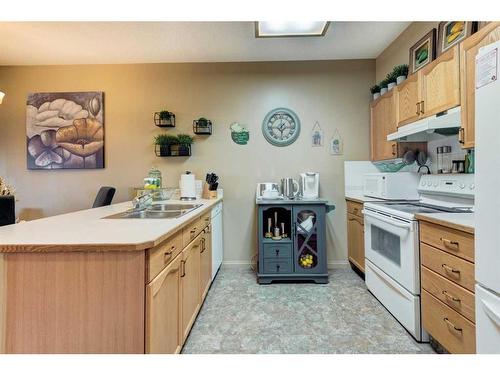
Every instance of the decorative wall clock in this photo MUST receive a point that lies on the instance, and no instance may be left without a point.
(281, 127)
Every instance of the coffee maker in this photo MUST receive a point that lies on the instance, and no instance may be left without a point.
(309, 185)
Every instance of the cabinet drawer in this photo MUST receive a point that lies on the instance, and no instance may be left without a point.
(277, 266)
(278, 251)
(161, 255)
(449, 266)
(190, 231)
(452, 330)
(450, 240)
(355, 208)
(205, 219)
(456, 297)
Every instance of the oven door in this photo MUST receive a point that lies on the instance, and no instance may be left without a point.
(392, 245)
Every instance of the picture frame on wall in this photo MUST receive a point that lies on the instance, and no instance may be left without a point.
(453, 32)
(423, 52)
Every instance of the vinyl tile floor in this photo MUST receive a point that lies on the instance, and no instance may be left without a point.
(241, 316)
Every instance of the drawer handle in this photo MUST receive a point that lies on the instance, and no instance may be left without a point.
(168, 254)
(422, 107)
(277, 252)
(450, 296)
(277, 268)
(449, 243)
(418, 109)
(450, 324)
(193, 231)
(449, 269)
(203, 248)
(183, 268)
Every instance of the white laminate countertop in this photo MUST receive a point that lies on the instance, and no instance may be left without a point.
(357, 195)
(458, 220)
(87, 230)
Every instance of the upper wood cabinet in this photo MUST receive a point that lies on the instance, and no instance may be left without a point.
(383, 123)
(408, 100)
(163, 334)
(468, 51)
(190, 286)
(440, 83)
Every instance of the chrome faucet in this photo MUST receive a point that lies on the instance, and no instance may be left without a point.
(142, 201)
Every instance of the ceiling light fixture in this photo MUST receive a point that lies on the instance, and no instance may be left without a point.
(280, 29)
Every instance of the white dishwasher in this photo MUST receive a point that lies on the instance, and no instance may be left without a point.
(217, 241)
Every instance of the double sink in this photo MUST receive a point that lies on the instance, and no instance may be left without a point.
(157, 211)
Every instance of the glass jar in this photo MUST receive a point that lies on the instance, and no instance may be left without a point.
(447, 162)
(440, 159)
(155, 175)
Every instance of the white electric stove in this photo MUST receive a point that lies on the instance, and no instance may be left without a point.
(392, 267)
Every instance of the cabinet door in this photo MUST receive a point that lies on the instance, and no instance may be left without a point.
(408, 99)
(468, 51)
(206, 261)
(163, 334)
(190, 286)
(356, 241)
(309, 239)
(440, 82)
(383, 122)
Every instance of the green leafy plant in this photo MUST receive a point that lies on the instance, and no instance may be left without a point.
(383, 84)
(165, 115)
(185, 140)
(202, 121)
(375, 89)
(391, 78)
(166, 140)
(400, 70)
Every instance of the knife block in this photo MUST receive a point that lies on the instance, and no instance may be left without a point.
(208, 194)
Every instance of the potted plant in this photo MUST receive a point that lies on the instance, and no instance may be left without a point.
(202, 126)
(391, 80)
(165, 117)
(383, 86)
(375, 90)
(164, 143)
(185, 142)
(400, 72)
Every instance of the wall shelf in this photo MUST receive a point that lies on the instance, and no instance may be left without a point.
(164, 122)
(202, 127)
(172, 151)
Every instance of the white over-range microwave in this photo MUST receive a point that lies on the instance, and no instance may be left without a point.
(391, 186)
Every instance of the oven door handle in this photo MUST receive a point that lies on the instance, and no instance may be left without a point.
(398, 224)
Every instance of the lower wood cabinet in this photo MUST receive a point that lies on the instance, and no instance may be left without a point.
(163, 309)
(205, 261)
(356, 235)
(190, 286)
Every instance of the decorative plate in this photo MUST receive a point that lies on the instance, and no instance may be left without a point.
(281, 127)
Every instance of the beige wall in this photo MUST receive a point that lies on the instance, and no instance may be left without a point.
(398, 52)
(335, 93)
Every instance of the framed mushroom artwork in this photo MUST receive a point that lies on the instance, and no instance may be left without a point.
(65, 130)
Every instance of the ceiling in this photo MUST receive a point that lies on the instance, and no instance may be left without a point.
(49, 43)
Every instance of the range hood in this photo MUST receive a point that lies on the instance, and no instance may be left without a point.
(446, 123)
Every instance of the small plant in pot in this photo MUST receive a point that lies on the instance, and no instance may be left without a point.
(375, 90)
(400, 72)
(383, 86)
(391, 81)
(185, 142)
(165, 117)
(164, 143)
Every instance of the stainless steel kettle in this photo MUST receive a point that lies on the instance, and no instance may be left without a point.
(289, 188)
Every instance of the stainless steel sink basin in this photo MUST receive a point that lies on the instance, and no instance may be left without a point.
(173, 207)
(157, 211)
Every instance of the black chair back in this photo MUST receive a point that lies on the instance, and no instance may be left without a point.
(104, 196)
(7, 210)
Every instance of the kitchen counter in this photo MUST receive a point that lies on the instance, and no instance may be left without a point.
(459, 221)
(358, 196)
(86, 230)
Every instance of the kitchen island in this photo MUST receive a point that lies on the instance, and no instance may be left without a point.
(80, 283)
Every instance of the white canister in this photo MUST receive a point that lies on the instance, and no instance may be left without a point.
(400, 79)
(391, 85)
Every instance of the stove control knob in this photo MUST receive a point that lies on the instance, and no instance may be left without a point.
(472, 186)
(436, 183)
(462, 185)
(429, 183)
(422, 183)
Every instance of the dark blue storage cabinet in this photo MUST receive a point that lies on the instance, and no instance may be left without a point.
(301, 254)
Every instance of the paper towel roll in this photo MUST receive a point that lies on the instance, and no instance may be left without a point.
(188, 186)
